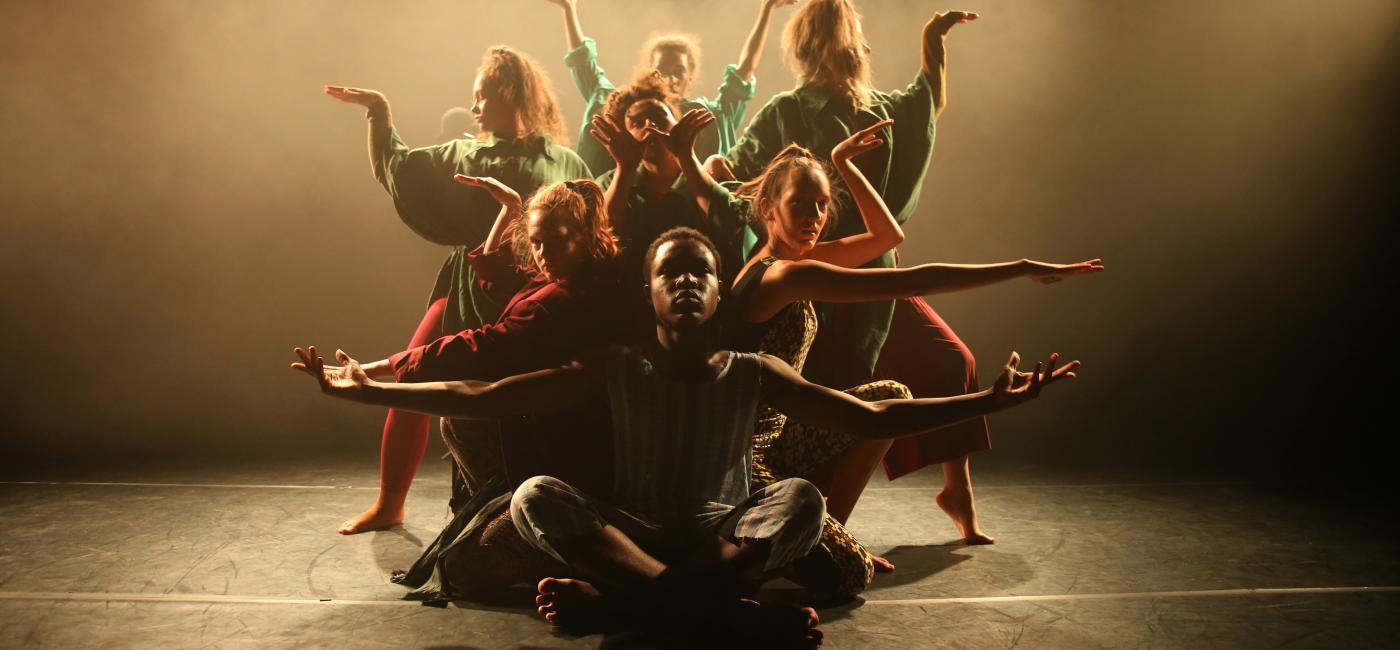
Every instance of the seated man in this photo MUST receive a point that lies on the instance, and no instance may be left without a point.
(684, 540)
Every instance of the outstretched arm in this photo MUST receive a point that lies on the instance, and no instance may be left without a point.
(753, 47)
(788, 282)
(543, 390)
(818, 406)
(882, 232)
(573, 31)
(935, 53)
(380, 122)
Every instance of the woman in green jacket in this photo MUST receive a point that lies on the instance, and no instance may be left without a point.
(521, 145)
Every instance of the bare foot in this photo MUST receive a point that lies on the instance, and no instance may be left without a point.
(882, 565)
(378, 517)
(959, 507)
(774, 625)
(575, 606)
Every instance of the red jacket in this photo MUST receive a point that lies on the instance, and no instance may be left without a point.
(545, 323)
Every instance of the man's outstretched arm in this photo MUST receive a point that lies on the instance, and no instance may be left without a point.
(818, 406)
(543, 390)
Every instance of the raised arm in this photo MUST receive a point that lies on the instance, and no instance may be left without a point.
(626, 152)
(680, 141)
(510, 207)
(818, 406)
(381, 123)
(753, 47)
(934, 53)
(882, 232)
(573, 31)
(788, 282)
(543, 390)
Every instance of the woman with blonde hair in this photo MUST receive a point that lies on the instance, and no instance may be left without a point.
(828, 50)
(520, 144)
(795, 201)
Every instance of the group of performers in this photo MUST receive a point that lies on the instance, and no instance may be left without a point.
(647, 450)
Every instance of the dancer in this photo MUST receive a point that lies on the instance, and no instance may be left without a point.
(563, 299)
(676, 57)
(794, 202)
(828, 50)
(657, 182)
(519, 144)
(684, 539)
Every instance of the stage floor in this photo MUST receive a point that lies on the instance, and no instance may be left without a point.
(249, 557)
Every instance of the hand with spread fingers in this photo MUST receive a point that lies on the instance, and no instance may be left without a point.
(623, 148)
(681, 139)
(1015, 387)
(860, 142)
(346, 380)
(360, 96)
(1047, 273)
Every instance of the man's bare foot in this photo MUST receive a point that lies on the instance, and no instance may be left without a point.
(882, 565)
(959, 507)
(575, 606)
(378, 517)
(774, 625)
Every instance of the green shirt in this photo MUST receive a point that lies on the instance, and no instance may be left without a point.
(814, 118)
(724, 224)
(444, 212)
(728, 106)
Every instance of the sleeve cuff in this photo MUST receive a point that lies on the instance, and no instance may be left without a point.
(404, 363)
(737, 87)
(583, 54)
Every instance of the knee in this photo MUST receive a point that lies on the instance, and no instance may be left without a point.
(536, 495)
(718, 168)
(807, 510)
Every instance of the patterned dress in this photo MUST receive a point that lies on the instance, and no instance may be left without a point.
(840, 567)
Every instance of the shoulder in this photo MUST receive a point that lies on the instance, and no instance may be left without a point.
(604, 179)
(563, 154)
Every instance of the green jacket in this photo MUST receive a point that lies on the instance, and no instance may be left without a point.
(444, 212)
(728, 106)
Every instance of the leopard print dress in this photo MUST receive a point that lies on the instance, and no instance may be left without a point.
(841, 567)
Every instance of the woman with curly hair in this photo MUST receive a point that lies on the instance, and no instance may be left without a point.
(828, 50)
(657, 182)
(520, 144)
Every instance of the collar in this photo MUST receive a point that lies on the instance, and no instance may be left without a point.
(530, 145)
(812, 97)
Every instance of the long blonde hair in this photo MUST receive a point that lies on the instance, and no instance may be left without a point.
(825, 47)
(582, 202)
(518, 81)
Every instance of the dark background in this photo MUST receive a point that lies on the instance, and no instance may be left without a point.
(181, 205)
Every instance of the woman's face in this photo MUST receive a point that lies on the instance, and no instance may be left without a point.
(555, 242)
(649, 113)
(491, 114)
(797, 219)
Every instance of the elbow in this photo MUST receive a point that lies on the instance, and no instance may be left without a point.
(896, 236)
